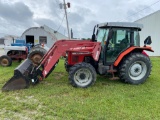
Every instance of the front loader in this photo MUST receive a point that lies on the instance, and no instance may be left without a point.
(114, 49)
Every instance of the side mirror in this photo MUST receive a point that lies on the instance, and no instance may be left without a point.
(147, 41)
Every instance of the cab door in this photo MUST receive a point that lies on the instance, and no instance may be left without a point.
(119, 41)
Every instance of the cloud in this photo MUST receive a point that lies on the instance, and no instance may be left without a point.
(84, 31)
(15, 12)
(15, 18)
(18, 15)
(75, 18)
(44, 21)
(54, 9)
(51, 23)
(138, 12)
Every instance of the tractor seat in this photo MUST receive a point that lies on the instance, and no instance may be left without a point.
(124, 44)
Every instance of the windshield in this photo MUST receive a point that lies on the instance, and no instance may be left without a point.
(102, 35)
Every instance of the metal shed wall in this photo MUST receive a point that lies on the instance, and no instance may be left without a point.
(52, 36)
(151, 27)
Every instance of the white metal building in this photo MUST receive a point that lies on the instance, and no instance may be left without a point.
(151, 27)
(43, 34)
(7, 40)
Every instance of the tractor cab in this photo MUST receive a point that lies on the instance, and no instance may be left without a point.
(116, 37)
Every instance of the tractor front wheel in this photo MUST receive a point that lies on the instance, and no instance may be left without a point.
(135, 68)
(5, 61)
(36, 54)
(82, 75)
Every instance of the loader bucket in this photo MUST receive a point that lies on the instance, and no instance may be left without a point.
(20, 80)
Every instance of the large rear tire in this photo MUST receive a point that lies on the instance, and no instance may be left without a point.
(5, 61)
(82, 75)
(36, 54)
(135, 68)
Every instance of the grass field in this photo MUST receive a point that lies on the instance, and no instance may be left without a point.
(55, 98)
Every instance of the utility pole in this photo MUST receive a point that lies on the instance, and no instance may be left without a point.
(65, 7)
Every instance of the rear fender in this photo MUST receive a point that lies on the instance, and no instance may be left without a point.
(129, 50)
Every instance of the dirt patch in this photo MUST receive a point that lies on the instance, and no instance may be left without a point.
(58, 75)
(15, 115)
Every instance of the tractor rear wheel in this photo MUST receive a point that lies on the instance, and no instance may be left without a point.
(36, 54)
(135, 68)
(82, 75)
(5, 61)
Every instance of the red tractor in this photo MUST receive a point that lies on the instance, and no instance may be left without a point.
(114, 48)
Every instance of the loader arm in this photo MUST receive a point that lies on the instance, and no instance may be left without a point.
(51, 58)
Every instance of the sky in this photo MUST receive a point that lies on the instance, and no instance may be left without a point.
(18, 15)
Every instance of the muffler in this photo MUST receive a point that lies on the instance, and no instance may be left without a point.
(21, 78)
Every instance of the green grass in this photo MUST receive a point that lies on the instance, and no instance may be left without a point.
(55, 98)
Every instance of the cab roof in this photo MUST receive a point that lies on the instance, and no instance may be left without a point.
(120, 24)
